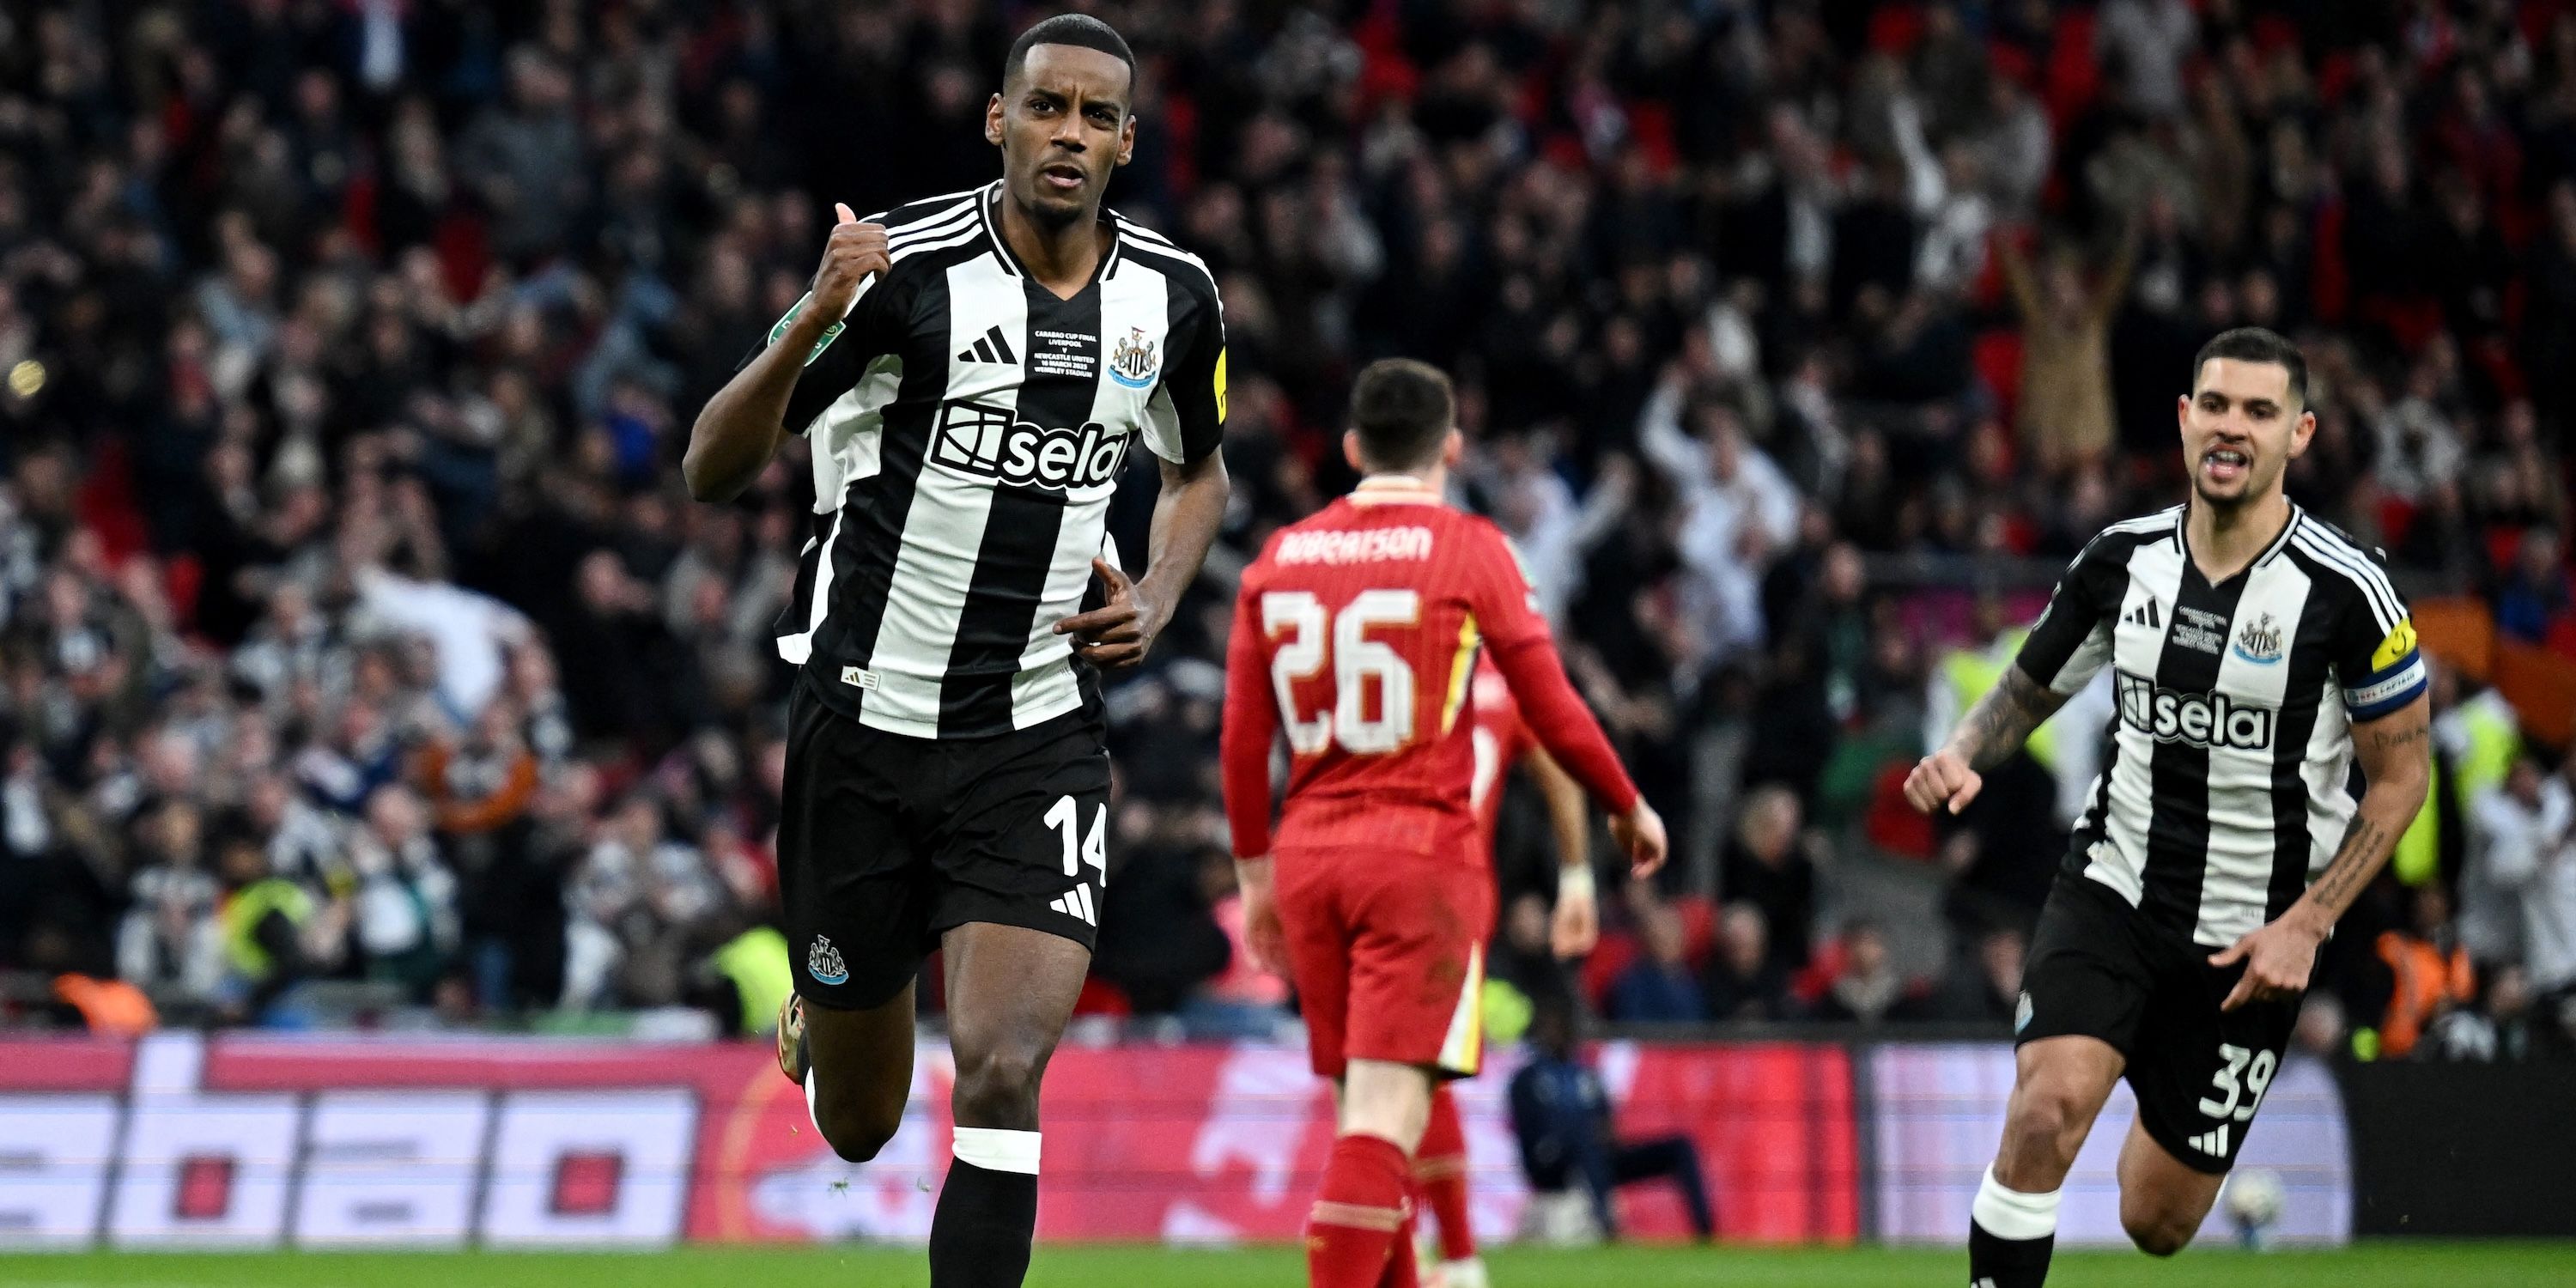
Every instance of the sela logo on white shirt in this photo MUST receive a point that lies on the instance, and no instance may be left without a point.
(979, 438)
(2196, 719)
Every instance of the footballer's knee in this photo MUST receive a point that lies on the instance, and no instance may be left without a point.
(2058, 1087)
(2044, 1125)
(2158, 1233)
(997, 1084)
(857, 1125)
(2158, 1220)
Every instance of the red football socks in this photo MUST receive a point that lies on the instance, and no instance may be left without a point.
(1359, 1212)
(1440, 1176)
(1400, 1271)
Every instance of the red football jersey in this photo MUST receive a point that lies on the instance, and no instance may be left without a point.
(1357, 633)
(1500, 738)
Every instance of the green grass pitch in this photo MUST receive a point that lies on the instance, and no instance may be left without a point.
(2375, 1265)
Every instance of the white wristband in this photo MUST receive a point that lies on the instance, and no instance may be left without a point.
(1575, 881)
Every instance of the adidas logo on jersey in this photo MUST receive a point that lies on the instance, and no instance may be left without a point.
(991, 348)
(2212, 1142)
(979, 438)
(2198, 719)
(2144, 615)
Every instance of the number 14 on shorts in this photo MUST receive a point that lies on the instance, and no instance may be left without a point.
(1081, 901)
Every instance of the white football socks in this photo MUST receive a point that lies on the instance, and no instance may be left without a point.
(997, 1150)
(2011, 1214)
(990, 1148)
(1466, 1272)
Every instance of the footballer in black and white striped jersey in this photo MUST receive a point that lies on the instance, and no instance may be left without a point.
(967, 429)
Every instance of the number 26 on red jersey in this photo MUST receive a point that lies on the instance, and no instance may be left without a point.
(1315, 638)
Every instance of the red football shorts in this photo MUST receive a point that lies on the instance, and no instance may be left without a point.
(1388, 954)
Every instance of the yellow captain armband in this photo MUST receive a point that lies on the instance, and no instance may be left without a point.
(2393, 649)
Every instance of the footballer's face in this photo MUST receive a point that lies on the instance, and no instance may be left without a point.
(2241, 427)
(1063, 123)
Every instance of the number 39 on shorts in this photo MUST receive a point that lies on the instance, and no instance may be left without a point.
(2232, 1101)
(1315, 639)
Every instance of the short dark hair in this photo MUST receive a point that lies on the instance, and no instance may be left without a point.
(1080, 30)
(1402, 410)
(2256, 344)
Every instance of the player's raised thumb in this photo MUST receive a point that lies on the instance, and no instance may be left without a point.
(1967, 791)
(842, 210)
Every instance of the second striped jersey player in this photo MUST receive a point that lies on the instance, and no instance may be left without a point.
(2226, 784)
(2267, 745)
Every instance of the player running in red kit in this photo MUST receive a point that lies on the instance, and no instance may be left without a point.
(1356, 634)
(1501, 739)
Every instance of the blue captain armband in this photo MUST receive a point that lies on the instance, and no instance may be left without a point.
(2390, 686)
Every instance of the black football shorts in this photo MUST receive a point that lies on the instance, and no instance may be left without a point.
(886, 841)
(2097, 969)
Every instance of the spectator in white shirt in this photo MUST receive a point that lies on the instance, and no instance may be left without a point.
(407, 921)
(1551, 530)
(1737, 508)
(2142, 44)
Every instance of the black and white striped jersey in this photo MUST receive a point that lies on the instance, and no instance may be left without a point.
(2226, 784)
(967, 430)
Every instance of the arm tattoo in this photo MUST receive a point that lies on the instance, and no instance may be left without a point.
(2392, 752)
(1995, 727)
(2359, 855)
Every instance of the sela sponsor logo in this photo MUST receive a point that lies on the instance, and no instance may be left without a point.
(2260, 641)
(2195, 719)
(1133, 363)
(319, 1139)
(823, 962)
(982, 439)
(345, 1142)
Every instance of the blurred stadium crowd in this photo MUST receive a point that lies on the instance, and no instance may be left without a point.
(354, 627)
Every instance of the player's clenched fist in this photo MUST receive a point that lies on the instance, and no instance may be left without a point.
(1265, 937)
(855, 251)
(1942, 778)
